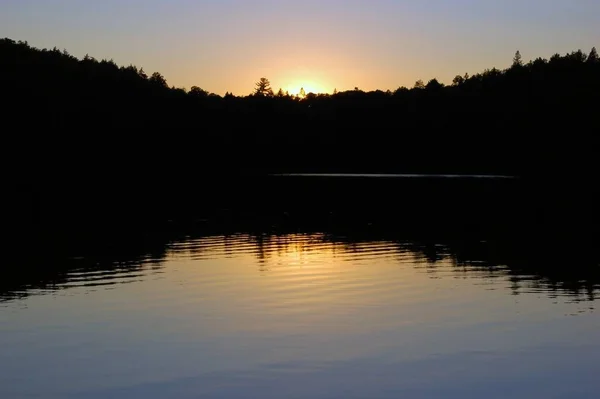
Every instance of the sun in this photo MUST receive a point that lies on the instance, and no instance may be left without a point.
(308, 86)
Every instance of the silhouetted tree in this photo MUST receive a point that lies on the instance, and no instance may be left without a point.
(263, 88)
(434, 84)
(195, 91)
(401, 90)
(458, 80)
(517, 59)
(579, 56)
(593, 56)
(158, 79)
(419, 84)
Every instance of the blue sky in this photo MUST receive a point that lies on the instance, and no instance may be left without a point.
(227, 45)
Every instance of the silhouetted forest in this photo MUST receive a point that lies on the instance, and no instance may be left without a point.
(523, 119)
(86, 137)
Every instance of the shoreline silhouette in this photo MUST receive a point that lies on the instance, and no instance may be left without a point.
(94, 144)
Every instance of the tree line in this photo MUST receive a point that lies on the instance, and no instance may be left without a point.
(493, 121)
(96, 129)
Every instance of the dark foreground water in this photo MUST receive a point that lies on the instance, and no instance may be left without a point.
(308, 307)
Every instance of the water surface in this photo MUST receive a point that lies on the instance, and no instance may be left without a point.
(309, 287)
(301, 315)
(396, 175)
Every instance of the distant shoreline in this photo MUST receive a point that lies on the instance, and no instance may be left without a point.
(393, 175)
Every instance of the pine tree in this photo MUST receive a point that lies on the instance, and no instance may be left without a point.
(263, 88)
(593, 56)
(517, 60)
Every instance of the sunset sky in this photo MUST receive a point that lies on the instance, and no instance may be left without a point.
(227, 45)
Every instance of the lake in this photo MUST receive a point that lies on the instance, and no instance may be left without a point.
(437, 292)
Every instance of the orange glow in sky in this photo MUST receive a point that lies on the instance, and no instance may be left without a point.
(308, 86)
(228, 45)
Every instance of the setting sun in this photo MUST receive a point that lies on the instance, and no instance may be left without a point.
(308, 86)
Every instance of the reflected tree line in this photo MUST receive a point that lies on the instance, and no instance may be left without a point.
(480, 226)
(533, 264)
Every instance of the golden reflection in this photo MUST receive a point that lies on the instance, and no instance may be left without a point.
(294, 248)
(302, 272)
(304, 278)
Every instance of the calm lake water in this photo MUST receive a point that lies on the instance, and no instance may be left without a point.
(292, 312)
